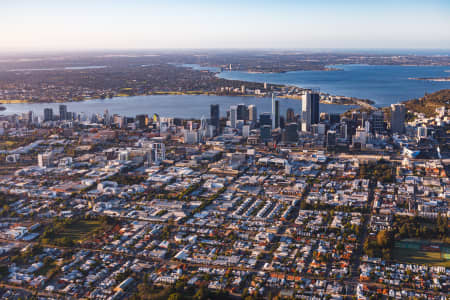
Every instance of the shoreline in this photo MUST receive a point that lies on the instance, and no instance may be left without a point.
(433, 79)
(194, 93)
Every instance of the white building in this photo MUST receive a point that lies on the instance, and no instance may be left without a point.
(45, 159)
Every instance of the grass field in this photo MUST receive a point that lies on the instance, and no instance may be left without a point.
(78, 231)
(415, 255)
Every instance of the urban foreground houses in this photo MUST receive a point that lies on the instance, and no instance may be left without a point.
(253, 205)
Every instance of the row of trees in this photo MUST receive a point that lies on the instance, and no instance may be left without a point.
(381, 170)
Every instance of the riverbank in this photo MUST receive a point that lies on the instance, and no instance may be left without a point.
(346, 101)
(162, 93)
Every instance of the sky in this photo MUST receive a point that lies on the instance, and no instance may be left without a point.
(278, 24)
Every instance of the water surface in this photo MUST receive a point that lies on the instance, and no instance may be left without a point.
(181, 106)
(384, 84)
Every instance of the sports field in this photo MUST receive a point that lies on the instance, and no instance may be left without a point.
(422, 252)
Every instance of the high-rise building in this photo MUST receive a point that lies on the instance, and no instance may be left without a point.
(63, 112)
(310, 109)
(331, 139)
(377, 121)
(282, 122)
(275, 113)
(290, 134)
(107, 118)
(290, 115)
(334, 118)
(242, 112)
(45, 159)
(343, 132)
(142, 121)
(398, 113)
(233, 115)
(315, 108)
(156, 153)
(48, 114)
(30, 117)
(252, 114)
(190, 137)
(215, 117)
(266, 132)
(265, 119)
(245, 130)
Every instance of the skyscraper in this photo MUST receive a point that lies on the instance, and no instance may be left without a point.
(398, 113)
(63, 112)
(265, 119)
(30, 117)
(156, 153)
(331, 138)
(290, 134)
(142, 121)
(215, 117)
(275, 113)
(310, 109)
(377, 121)
(48, 114)
(290, 115)
(242, 112)
(233, 115)
(252, 114)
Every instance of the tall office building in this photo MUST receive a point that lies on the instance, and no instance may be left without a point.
(398, 112)
(233, 115)
(30, 117)
(290, 115)
(266, 133)
(242, 112)
(107, 118)
(290, 134)
(142, 120)
(63, 112)
(275, 113)
(310, 109)
(377, 121)
(334, 118)
(215, 117)
(45, 159)
(315, 110)
(331, 138)
(265, 119)
(156, 153)
(252, 114)
(48, 114)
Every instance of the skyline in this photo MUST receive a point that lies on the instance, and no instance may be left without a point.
(52, 25)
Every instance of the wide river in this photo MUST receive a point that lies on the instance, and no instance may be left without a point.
(181, 106)
(383, 84)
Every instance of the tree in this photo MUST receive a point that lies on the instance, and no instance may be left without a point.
(201, 294)
(175, 296)
(383, 238)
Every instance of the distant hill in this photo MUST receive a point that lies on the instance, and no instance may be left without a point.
(429, 103)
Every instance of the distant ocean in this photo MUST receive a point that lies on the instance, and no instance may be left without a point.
(384, 84)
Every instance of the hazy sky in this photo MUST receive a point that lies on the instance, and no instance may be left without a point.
(127, 24)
